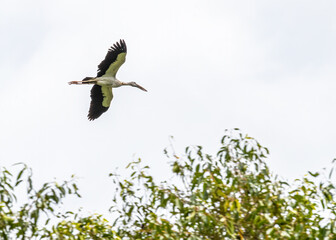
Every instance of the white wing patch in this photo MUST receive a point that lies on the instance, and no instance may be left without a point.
(114, 67)
(107, 93)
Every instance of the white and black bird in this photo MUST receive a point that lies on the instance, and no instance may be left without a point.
(101, 92)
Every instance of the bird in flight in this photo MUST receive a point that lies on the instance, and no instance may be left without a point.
(101, 92)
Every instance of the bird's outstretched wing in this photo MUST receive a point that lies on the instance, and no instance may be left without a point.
(101, 97)
(114, 58)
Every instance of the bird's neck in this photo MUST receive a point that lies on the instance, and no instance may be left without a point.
(126, 83)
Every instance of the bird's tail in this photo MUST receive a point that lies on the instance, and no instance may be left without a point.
(87, 80)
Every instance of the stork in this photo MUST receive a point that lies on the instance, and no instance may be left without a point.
(101, 92)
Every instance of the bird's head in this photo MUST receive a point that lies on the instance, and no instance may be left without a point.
(134, 84)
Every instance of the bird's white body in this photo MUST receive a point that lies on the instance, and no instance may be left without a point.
(108, 81)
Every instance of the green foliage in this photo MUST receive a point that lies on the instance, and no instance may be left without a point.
(22, 221)
(232, 195)
(92, 227)
(37, 217)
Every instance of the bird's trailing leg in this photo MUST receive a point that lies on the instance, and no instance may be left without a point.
(87, 80)
(75, 82)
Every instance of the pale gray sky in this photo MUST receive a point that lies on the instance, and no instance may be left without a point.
(266, 67)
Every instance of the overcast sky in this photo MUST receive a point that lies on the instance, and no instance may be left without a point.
(266, 67)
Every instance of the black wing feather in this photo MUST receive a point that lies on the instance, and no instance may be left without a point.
(96, 106)
(111, 56)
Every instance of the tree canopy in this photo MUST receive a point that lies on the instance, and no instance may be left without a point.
(229, 195)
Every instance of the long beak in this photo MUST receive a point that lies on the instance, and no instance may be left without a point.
(138, 86)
